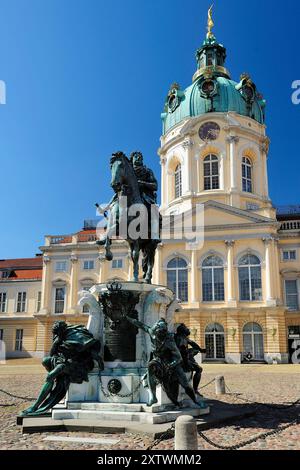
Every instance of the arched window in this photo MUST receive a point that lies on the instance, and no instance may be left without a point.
(177, 278)
(250, 278)
(215, 341)
(211, 172)
(178, 181)
(247, 175)
(86, 307)
(253, 341)
(212, 279)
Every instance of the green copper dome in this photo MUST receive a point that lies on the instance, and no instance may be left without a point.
(212, 91)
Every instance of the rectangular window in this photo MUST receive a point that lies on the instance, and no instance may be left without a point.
(19, 340)
(60, 266)
(1, 334)
(59, 300)
(5, 274)
(21, 302)
(250, 283)
(39, 301)
(211, 173)
(291, 294)
(3, 302)
(88, 264)
(213, 284)
(117, 264)
(289, 255)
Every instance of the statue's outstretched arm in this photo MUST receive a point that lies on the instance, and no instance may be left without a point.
(195, 346)
(138, 324)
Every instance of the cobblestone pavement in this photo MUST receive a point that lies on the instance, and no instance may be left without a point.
(258, 383)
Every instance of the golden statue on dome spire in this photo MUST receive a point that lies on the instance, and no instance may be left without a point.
(210, 23)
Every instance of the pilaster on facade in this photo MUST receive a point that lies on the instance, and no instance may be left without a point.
(46, 286)
(193, 275)
(188, 145)
(231, 295)
(163, 162)
(269, 268)
(73, 295)
(233, 141)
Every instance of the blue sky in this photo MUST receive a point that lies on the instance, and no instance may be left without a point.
(88, 77)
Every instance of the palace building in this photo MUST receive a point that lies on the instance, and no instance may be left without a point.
(239, 291)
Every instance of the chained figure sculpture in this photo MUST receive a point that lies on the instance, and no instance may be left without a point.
(71, 358)
(189, 349)
(166, 365)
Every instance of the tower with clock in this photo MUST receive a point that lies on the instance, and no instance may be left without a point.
(213, 154)
(214, 144)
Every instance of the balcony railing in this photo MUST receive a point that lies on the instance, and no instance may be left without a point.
(290, 225)
(86, 237)
(57, 240)
(68, 239)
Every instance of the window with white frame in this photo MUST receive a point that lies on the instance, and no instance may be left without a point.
(211, 172)
(21, 302)
(59, 301)
(39, 301)
(178, 181)
(212, 279)
(5, 274)
(60, 266)
(19, 340)
(3, 299)
(289, 255)
(292, 294)
(247, 175)
(117, 263)
(250, 278)
(88, 264)
(177, 278)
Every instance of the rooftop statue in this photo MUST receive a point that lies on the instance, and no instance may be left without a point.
(71, 358)
(134, 215)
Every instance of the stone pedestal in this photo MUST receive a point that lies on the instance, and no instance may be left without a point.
(118, 392)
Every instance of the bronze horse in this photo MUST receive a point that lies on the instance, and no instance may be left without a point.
(123, 221)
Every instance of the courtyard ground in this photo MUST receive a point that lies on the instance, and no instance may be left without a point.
(269, 384)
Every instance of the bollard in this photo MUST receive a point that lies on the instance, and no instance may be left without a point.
(220, 385)
(186, 437)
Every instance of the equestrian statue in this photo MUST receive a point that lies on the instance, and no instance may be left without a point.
(135, 189)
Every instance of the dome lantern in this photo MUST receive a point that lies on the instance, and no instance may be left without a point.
(211, 55)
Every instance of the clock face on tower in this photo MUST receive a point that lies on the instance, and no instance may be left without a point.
(209, 131)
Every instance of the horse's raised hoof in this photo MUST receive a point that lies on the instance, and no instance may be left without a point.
(109, 256)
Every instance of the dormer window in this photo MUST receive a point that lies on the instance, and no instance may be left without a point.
(5, 274)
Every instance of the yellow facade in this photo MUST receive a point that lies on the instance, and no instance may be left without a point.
(239, 287)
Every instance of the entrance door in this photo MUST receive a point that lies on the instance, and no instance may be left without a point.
(253, 341)
(294, 344)
(215, 341)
